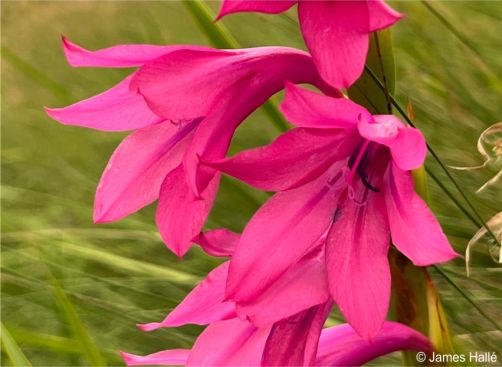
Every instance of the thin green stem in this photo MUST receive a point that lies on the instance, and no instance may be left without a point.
(467, 297)
(452, 197)
(436, 157)
(382, 71)
(463, 39)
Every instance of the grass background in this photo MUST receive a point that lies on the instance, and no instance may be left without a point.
(72, 291)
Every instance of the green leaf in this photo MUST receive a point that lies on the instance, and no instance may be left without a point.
(13, 350)
(380, 60)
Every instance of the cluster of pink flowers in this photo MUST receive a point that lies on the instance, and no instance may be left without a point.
(341, 177)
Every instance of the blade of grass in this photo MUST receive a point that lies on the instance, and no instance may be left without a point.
(464, 40)
(34, 74)
(12, 349)
(54, 343)
(124, 263)
(467, 297)
(440, 162)
(220, 37)
(88, 347)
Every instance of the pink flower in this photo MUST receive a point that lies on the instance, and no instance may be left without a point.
(183, 103)
(238, 343)
(294, 340)
(336, 31)
(343, 180)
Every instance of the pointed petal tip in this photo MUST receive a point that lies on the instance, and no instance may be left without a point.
(446, 256)
(70, 49)
(150, 326)
(54, 113)
(99, 215)
(129, 359)
(177, 249)
(369, 333)
(220, 15)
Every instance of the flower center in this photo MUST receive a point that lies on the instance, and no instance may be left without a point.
(358, 163)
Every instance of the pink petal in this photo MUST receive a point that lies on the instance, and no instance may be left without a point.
(294, 158)
(215, 133)
(268, 7)
(135, 172)
(337, 35)
(293, 341)
(303, 286)
(180, 215)
(382, 129)
(356, 260)
(407, 145)
(414, 229)
(409, 149)
(218, 242)
(305, 108)
(381, 15)
(280, 234)
(122, 56)
(203, 305)
(223, 86)
(342, 346)
(229, 343)
(184, 84)
(117, 109)
(173, 357)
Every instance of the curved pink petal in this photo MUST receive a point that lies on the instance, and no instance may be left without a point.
(122, 56)
(356, 261)
(407, 145)
(414, 229)
(342, 346)
(409, 149)
(268, 7)
(215, 133)
(218, 242)
(293, 341)
(173, 357)
(294, 158)
(223, 86)
(117, 109)
(381, 15)
(229, 343)
(281, 232)
(337, 35)
(134, 174)
(305, 108)
(301, 287)
(203, 305)
(180, 215)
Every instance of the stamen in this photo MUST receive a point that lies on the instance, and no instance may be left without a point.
(366, 183)
(357, 161)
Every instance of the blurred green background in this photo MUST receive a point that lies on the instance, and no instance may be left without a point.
(72, 292)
